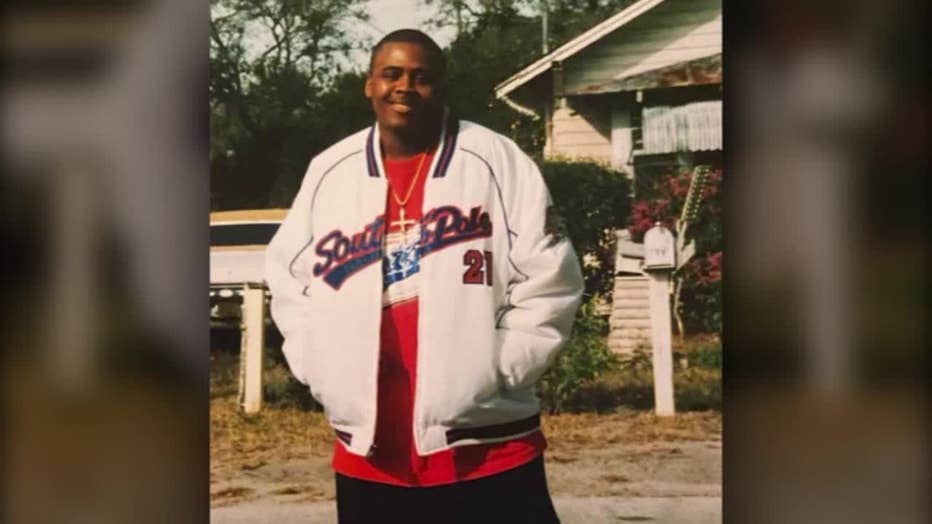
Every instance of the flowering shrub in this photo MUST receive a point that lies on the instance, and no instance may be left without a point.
(662, 200)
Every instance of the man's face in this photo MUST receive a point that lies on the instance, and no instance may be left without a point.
(405, 86)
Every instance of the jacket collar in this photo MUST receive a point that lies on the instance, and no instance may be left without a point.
(440, 162)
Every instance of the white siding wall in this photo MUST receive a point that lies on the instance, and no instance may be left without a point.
(673, 32)
(582, 132)
(629, 323)
(622, 142)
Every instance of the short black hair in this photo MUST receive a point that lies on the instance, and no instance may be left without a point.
(412, 36)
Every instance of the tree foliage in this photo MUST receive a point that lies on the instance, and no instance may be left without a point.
(493, 40)
(569, 18)
(282, 87)
(566, 18)
(594, 201)
(279, 91)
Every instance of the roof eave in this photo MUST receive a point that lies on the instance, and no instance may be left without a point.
(574, 46)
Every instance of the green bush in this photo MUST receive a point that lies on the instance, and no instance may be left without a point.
(584, 358)
(626, 383)
(593, 201)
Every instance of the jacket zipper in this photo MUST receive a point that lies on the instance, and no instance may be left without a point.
(435, 164)
(378, 336)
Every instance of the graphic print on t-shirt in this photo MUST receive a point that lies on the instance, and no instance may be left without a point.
(401, 264)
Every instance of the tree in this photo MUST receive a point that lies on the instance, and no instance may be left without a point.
(273, 63)
(569, 18)
(467, 15)
(282, 88)
(493, 38)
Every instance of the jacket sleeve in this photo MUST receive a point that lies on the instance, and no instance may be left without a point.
(546, 291)
(290, 304)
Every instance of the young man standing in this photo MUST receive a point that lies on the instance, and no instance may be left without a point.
(422, 290)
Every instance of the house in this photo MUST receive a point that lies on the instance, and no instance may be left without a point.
(640, 92)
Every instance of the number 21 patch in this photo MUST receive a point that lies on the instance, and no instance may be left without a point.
(478, 267)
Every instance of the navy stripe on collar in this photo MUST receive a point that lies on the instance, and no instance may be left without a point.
(370, 154)
(451, 131)
(449, 146)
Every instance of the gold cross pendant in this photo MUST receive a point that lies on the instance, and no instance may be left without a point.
(401, 222)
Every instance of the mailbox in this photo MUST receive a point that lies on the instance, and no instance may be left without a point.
(659, 248)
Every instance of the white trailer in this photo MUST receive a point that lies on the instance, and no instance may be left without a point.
(238, 295)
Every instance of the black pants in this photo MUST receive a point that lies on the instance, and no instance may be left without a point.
(516, 496)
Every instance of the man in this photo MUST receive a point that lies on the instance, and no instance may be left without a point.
(422, 291)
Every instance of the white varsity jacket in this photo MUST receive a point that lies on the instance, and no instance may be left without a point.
(498, 287)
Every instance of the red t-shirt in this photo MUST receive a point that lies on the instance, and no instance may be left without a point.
(395, 459)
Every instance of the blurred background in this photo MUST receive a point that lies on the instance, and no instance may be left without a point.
(106, 197)
(826, 296)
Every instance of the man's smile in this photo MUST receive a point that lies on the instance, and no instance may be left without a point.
(402, 107)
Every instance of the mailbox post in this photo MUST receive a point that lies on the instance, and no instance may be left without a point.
(659, 264)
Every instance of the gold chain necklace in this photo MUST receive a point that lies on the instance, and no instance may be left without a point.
(401, 222)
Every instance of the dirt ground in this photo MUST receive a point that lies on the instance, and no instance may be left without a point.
(282, 455)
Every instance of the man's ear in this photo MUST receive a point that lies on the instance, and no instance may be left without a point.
(367, 89)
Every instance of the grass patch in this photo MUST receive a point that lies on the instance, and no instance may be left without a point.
(279, 387)
(697, 380)
(281, 390)
(614, 408)
(224, 371)
(244, 442)
(289, 424)
(568, 431)
(241, 442)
